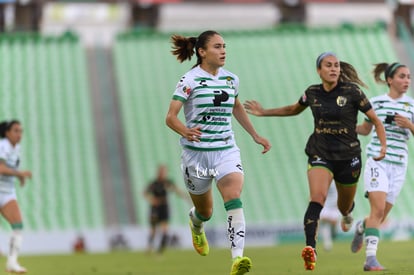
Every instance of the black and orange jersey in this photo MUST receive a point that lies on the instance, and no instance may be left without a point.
(335, 116)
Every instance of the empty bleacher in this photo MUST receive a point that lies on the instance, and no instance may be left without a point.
(44, 84)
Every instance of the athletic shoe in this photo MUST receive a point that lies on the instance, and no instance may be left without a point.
(309, 256)
(358, 239)
(241, 265)
(371, 264)
(200, 242)
(15, 268)
(346, 222)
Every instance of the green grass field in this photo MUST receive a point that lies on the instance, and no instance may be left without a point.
(282, 259)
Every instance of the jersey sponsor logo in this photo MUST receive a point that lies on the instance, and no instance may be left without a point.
(334, 122)
(309, 221)
(219, 97)
(330, 131)
(231, 232)
(355, 162)
(341, 101)
(389, 118)
(318, 160)
(180, 83)
(205, 172)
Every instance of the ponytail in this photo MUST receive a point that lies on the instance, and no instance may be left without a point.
(349, 74)
(184, 47)
(388, 69)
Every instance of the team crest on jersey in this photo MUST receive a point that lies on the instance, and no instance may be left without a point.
(355, 174)
(374, 183)
(229, 82)
(341, 101)
(406, 107)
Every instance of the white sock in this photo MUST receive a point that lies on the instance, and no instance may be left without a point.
(15, 244)
(372, 245)
(360, 228)
(197, 223)
(325, 229)
(236, 230)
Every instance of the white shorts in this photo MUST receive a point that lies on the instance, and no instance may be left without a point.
(199, 168)
(385, 177)
(6, 197)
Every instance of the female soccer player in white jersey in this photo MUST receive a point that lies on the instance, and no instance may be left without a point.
(209, 95)
(384, 179)
(11, 134)
(333, 149)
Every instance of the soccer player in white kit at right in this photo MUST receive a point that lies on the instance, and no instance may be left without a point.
(11, 134)
(383, 180)
(209, 95)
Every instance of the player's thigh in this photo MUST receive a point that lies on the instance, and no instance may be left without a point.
(396, 182)
(197, 172)
(11, 212)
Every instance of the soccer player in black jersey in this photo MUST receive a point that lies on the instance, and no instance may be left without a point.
(156, 193)
(333, 149)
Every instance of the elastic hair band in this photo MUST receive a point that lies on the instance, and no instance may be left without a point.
(322, 56)
(391, 69)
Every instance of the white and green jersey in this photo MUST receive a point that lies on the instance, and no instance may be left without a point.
(208, 103)
(385, 107)
(10, 155)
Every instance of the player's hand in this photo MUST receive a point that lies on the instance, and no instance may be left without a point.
(193, 134)
(22, 175)
(402, 121)
(253, 107)
(264, 142)
(382, 153)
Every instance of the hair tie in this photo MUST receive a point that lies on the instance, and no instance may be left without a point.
(322, 56)
(391, 69)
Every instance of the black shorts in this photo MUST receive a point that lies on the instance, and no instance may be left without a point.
(344, 171)
(159, 214)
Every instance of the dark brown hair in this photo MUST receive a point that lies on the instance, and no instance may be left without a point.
(184, 47)
(5, 126)
(349, 74)
(389, 70)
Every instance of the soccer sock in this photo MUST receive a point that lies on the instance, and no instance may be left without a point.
(310, 222)
(361, 227)
(371, 240)
(352, 208)
(236, 227)
(151, 238)
(325, 229)
(15, 244)
(163, 244)
(197, 220)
